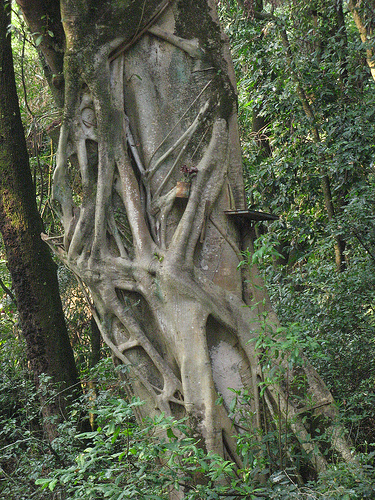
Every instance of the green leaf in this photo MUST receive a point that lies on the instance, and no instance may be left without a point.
(170, 434)
(38, 40)
(43, 482)
(52, 484)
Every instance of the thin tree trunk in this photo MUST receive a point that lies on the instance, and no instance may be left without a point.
(31, 267)
(325, 181)
(365, 32)
(95, 342)
(339, 246)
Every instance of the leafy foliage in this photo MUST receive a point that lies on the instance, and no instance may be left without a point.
(23, 452)
(284, 163)
(118, 459)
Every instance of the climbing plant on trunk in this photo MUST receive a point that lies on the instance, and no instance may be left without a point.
(150, 100)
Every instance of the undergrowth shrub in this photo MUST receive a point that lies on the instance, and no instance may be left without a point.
(24, 454)
(119, 459)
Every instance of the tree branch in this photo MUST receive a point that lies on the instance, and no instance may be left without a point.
(7, 290)
(188, 230)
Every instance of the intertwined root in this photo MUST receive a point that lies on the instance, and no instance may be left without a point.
(162, 274)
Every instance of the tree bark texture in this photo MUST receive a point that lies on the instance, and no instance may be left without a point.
(150, 97)
(30, 264)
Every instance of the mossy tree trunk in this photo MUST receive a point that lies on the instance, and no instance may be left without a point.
(150, 97)
(32, 269)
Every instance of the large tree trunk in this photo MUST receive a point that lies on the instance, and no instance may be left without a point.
(150, 91)
(30, 264)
